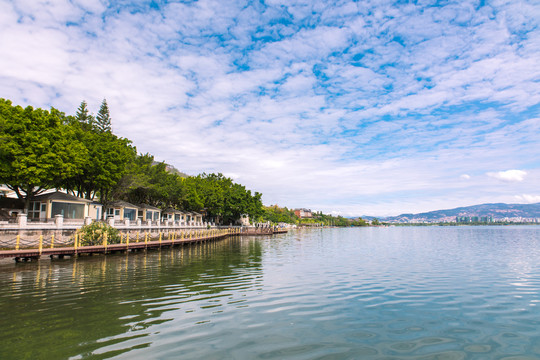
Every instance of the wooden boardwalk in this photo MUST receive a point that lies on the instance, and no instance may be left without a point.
(60, 252)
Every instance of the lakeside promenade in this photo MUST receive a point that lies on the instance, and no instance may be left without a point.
(46, 247)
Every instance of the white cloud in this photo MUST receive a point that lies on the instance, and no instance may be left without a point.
(359, 107)
(527, 198)
(508, 175)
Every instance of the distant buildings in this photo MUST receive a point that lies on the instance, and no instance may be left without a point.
(303, 213)
(474, 219)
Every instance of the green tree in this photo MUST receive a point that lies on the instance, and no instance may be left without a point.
(84, 117)
(150, 182)
(223, 200)
(103, 119)
(38, 150)
(107, 156)
(103, 167)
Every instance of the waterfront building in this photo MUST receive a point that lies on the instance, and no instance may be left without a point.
(47, 206)
(171, 214)
(120, 210)
(147, 212)
(194, 218)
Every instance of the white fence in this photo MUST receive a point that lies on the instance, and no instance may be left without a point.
(59, 223)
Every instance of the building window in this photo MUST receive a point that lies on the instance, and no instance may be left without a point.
(68, 210)
(130, 214)
(35, 207)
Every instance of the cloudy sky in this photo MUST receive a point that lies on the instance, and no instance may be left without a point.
(368, 107)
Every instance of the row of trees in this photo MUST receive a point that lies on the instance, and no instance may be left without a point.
(276, 214)
(42, 149)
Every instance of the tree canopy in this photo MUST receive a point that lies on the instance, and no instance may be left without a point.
(42, 149)
(37, 151)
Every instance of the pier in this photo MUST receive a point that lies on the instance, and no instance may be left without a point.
(165, 239)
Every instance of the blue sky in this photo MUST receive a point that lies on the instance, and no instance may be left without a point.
(368, 107)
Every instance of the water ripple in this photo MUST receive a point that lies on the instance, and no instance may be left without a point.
(385, 293)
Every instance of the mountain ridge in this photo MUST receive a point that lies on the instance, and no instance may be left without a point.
(498, 211)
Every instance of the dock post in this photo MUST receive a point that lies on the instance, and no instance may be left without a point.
(52, 241)
(146, 239)
(40, 244)
(105, 241)
(17, 242)
(160, 239)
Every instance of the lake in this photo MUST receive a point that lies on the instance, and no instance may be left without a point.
(352, 293)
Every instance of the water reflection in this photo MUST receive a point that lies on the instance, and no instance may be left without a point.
(65, 308)
(376, 293)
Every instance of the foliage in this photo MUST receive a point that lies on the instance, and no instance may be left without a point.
(105, 164)
(84, 117)
(148, 182)
(37, 150)
(223, 200)
(45, 149)
(103, 119)
(276, 214)
(94, 234)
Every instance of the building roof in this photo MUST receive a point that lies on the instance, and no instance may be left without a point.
(171, 210)
(57, 195)
(120, 203)
(148, 207)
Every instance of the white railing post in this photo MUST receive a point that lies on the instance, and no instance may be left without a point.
(59, 221)
(22, 220)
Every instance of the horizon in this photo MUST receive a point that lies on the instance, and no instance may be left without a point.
(348, 108)
(448, 209)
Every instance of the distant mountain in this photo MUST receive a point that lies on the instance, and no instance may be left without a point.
(171, 169)
(497, 211)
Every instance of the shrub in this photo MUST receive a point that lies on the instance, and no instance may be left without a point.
(94, 233)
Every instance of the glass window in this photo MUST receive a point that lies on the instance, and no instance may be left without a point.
(33, 212)
(117, 212)
(68, 210)
(156, 215)
(149, 214)
(130, 214)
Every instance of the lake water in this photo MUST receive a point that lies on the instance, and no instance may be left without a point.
(366, 293)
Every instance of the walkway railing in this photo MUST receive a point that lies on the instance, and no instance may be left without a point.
(27, 249)
(60, 223)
